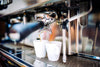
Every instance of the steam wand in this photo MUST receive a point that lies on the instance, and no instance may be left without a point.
(67, 21)
(96, 34)
(76, 17)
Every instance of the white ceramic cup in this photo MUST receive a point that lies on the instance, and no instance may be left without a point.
(53, 50)
(40, 49)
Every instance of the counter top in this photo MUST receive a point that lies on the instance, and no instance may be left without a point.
(28, 55)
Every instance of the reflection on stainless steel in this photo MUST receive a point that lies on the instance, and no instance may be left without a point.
(38, 63)
(47, 17)
(89, 56)
(16, 61)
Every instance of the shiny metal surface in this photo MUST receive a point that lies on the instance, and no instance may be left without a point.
(72, 61)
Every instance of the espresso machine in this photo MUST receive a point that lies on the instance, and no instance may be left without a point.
(44, 14)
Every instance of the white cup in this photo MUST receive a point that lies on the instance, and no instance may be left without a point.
(53, 50)
(40, 49)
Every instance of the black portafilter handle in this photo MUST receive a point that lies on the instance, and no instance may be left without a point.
(25, 29)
